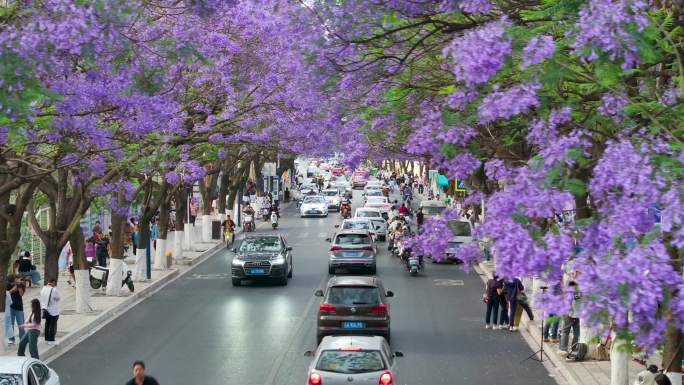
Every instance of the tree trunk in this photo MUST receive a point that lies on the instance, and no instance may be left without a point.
(140, 268)
(81, 272)
(223, 192)
(116, 260)
(52, 252)
(674, 339)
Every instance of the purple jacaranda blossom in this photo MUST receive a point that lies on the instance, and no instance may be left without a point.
(172, 178)
(538, 49)
(3, 135)
(475, 6)
(603, 25)
(509, 102)
(459, 98)
(480, 52)
(542, 132)
(612, 105)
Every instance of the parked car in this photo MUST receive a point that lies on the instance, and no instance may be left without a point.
(352, 249)
(353, 305)
(352, 360)
(26, 371)
(262, 257)
(432, 208)
(314, 205)
(332, 196)
(463, 233)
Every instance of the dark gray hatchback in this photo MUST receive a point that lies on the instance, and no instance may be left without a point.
(261, 256)
(354, 305)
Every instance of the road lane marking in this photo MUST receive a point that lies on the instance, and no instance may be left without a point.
(275, 369)
(209, 276)
(449, 282)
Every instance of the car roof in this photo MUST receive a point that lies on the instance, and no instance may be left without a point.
(14, 365)
(254, 236)
(368, 209)
(356, 219)
(352, 280)
(352, 231)
(363, 342)
(433, 203)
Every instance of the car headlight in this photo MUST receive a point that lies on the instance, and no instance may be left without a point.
(279, 260)
(237, 261)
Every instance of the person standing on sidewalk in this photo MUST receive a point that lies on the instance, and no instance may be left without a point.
(135, 235)
(32, 327)
(49, 297)
(503, 318)
(101, 248)
(16, 308)
(139, 377)
(570, 322)
(491, 298)
(515, 296)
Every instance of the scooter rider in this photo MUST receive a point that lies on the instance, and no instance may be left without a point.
(248, 210)
(403, 210)
(345, 208)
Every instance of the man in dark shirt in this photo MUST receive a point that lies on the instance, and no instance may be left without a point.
(139, 377)
(15, 289)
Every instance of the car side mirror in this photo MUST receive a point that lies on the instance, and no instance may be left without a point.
(318, 293)
(289, 248)
(327, 239)
(389, 293)
(398, 354)
(309, 353)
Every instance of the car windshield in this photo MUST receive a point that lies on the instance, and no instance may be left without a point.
(353, 295)
(367, 214)
(10, 379)
(377, 200)
(350, 362)
(330, 193)
(372, 187)
(265, 244)
(432, 210)
(353, 239)
(460, 228)
(374, 193)
(356, 225)
(314, 200)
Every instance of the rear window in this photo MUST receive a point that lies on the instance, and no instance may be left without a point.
(377, 200)
(460, 229)
(314, 200)
(350, 362)
(427, 210)
(355, 225)
(353, 295)
(367, 214)
(353, 239)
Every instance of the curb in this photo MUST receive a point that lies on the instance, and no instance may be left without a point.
(69, 341)
(532, 336)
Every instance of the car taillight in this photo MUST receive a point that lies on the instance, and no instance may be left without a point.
(379, 309)
(315, 379)
(335, 248)
(385, 379)
(327, 308)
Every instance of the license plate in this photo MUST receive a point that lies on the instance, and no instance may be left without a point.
(352, 253)
(352, 325)
(257, 271)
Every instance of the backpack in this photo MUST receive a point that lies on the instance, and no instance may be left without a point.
(578, 352)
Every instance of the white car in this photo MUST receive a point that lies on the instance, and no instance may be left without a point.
(360, 224)
(463, 233)
(26, 370)
(379, 202)
(363, 360)
(341, 183)
(333, 198)
(314, 205)
(369, 188)
(368, 212)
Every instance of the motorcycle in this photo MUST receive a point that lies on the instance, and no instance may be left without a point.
(265, 213)
(274, 220)
(413, 263)
(248, 224)
(345, 211)
(99, 276)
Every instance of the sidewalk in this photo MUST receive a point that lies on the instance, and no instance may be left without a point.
(72, 327)
(588, 372)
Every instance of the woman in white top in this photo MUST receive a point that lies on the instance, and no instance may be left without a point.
(49, 297)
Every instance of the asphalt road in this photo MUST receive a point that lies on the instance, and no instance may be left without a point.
(201, 330)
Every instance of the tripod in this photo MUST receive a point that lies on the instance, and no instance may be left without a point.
(533, 356)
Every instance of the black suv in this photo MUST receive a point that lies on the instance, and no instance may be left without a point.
(262, 256)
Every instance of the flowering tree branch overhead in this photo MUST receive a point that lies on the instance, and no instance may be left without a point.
(568, 105)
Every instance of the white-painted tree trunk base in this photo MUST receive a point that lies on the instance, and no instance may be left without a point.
(140, 266)
(187, 238)
(114, 281)
(82, 283)
(619, 362)
(178, 237)
(206, 228)
(160, 255)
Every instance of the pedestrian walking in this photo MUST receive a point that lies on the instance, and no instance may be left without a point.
(420, 217)
(101, 248)
(515, 296)
(139, 377)
(491, 299)
(15, 291)
(503, 304)
(135, 235)
(49, 297)
(154, 231)
(193, 211)
(32, 331)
